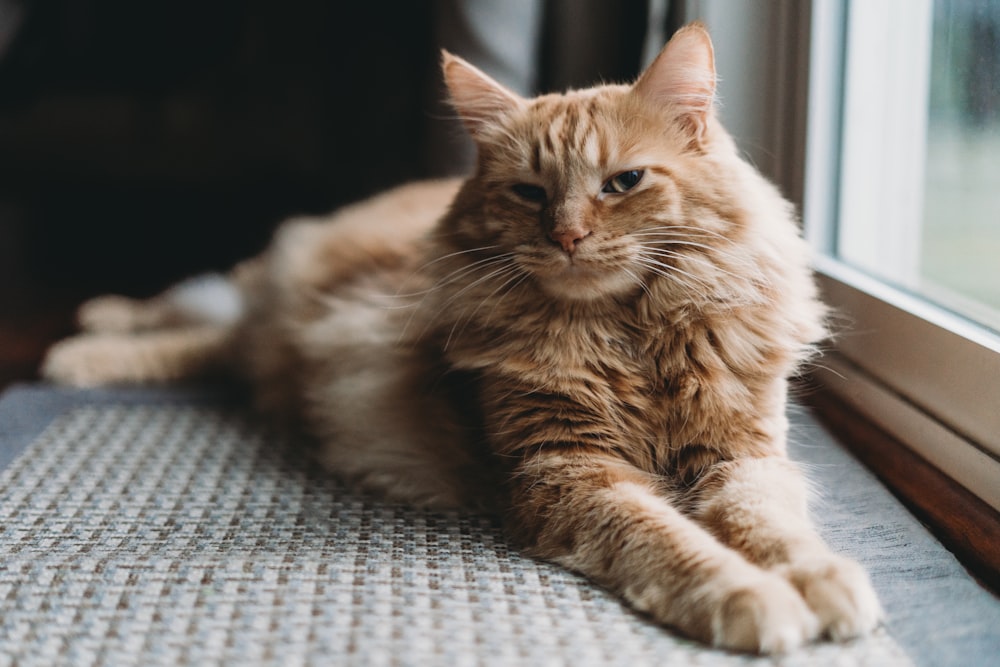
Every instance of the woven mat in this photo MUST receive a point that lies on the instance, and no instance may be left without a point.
(171, 534)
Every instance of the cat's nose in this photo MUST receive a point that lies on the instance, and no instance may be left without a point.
(569, 237)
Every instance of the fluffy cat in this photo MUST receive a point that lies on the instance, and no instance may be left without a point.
(591, 335)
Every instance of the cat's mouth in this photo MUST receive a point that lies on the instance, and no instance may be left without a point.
(581, 279)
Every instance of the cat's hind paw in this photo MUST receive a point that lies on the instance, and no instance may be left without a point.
(84, 361)
(108, 314)
(767, 616)
(840, 593)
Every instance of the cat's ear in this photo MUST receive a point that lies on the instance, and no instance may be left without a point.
(682, 78)
(479, 100)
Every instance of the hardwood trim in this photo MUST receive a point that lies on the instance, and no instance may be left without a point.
(963, 523)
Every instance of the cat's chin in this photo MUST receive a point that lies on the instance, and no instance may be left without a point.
(582, 283)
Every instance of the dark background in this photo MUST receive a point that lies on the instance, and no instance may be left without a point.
(142, 141)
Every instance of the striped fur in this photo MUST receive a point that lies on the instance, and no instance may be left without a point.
(602, 361)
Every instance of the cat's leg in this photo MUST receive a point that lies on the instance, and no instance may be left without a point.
(758, 506)
(159, 356)
(604, 518)
(111, 313)
(209, 299)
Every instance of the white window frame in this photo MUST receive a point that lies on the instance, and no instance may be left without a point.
(921, 373)
(884, 135)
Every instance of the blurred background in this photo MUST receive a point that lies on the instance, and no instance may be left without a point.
(142, 142)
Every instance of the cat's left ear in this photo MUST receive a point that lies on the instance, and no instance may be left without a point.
(682, 78)
(479, 100)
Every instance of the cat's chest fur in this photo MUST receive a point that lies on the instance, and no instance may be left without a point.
(652, 386)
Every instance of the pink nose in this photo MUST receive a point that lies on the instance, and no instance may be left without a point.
(569, 238)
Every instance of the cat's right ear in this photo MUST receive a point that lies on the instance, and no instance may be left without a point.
(682, 78)
(479, 100)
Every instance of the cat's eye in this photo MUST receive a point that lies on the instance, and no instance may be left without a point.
(529, 192)
(623, 182)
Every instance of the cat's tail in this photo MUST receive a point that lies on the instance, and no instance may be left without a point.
(185, 332)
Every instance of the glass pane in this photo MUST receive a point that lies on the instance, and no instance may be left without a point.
(959, 261)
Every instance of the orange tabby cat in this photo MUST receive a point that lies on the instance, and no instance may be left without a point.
(593, 337)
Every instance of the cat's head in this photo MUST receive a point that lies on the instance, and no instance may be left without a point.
(598, 192)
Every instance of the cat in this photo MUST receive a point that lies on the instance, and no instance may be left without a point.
(592, 335)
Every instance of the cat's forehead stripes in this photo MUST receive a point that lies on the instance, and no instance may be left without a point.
(536, 157)
(567, 131)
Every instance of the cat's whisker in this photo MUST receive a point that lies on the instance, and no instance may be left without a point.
(464, 271)
(422, 268)
(640, 281)
(668, 271)
(510, 269)
(748, 269)
(690, 236)
(506, 266)
(687, 230)
(682, 241)
(676, 280)
(670, 254)
(662, 268)
(461, 273)
(402, 306)
(518, 279)
(457, 253)
(453, 277)
(744, 267)
(829, 369)
(679, 241)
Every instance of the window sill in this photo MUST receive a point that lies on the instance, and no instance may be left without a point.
(964, 524)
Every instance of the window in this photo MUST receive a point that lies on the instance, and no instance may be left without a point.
(878, 116)
(921, 150)
(902, 198)
(959, 252)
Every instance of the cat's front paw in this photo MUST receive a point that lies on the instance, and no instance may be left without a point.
(766, 616)
(839, 592)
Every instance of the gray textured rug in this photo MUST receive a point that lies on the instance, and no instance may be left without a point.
(167, 528)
